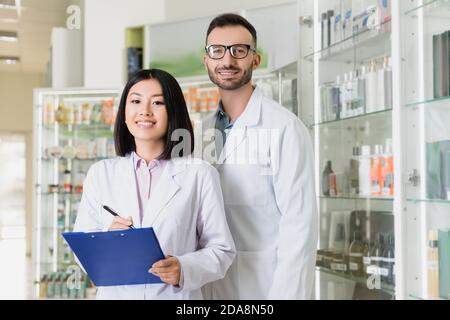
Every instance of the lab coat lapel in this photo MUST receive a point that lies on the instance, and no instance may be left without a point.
(130, 200)
(164, 191)
(250, 117)
(235, 138)
(208, 137)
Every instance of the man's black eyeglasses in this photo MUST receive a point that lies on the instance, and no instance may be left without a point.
(237, 51)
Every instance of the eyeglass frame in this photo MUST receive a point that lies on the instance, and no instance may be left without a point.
(228, 48)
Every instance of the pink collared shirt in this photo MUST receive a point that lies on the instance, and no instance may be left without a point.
(147, 176)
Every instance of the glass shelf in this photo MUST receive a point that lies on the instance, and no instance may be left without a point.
(99, 126)
(428, 102)
(428, 200)
(417, 297)
(349, 197)
(438, 8)
(364, 116)
(65, 194)
(75, 159)
(51, 228)
(368, 43)
(46, 263)
(389, 289)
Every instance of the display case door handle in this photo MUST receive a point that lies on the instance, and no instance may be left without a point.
(306, 21)
(414, 178)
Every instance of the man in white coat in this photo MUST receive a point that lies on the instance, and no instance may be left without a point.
(264, 156)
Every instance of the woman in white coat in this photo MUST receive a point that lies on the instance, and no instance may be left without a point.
(155, 183)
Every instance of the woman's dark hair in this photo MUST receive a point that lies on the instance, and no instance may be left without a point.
(177, 114)
(231, 19)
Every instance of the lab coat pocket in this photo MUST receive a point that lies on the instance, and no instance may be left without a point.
(243, 184)
(255, 273)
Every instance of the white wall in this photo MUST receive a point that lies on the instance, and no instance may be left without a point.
(186, 9)
(16, 100)
(104, 36)
(16, 116)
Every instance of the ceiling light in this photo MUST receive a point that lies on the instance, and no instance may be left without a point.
(7, 4)
(9, 36)
(9, 60)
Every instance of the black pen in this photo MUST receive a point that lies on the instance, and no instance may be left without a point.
(115, 214)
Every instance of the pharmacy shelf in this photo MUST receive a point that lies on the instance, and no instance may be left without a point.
(359, 47)
(73, 159)
(51, 228)
(75, 127)
(389, 289)
(429, 102)
(434, 8)
(47, 263)
(356, 119)
(65, 194)
(358, 198)
(418, 200)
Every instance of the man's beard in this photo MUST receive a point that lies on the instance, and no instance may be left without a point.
(231, 84)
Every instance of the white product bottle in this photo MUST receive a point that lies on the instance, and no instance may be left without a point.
(358, 12)
(337, 23)
(341, 86)
(349, 98)
(362, 90)
(384, 78)
(344, 93)
(375, 171)
(347, 25)
(324, 30)
(336, 99)
(364, 171)
(356, 94)
(371, 89)
(373, 17)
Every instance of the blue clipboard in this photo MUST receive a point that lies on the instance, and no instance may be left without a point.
(117, 258)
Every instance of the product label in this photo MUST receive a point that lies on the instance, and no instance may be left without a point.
(373, 270)
(338, 267)
(354, 266)
(384, 272)
(355, 255)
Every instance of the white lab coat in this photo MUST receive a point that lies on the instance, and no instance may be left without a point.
(270, 204)
(185, 210)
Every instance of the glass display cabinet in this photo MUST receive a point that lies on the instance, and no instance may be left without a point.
(346, 100)
(425, 100)
(72, 130)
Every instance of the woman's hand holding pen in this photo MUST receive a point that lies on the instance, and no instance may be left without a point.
(168, 270)
(120, 223)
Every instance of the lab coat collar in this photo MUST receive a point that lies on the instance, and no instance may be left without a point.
(166, 188)
(252, 112)
(250, 117)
